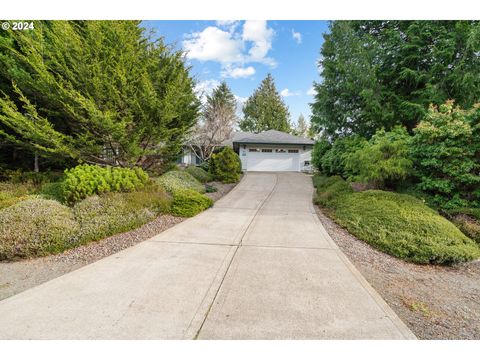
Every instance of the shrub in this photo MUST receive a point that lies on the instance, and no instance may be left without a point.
(319, 150)
(35, 227)
(37, 178)
(383, 161)
(403, 226)
(446, 148)
(109, 214)
(226, 166)
(331, 190)
(468, 225)
(333, 162)
(53, 191)
(11, 194)
(176, 180)
(210, 189)
(199, 174)
(188, 203)
(85, 180)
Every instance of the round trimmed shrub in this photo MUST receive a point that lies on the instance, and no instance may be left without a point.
(226, 166)
(187, 203)
(35, 227)
(86, 180)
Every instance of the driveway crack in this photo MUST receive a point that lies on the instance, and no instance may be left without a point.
(240, 244)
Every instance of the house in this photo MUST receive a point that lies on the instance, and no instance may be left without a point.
(270, 150)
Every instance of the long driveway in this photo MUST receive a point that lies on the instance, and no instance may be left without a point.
(258, 265)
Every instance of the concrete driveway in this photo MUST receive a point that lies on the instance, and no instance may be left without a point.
(258, 265)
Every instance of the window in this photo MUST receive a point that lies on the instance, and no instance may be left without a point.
(253, 150)
(293, 151)
(280, 150)
(266, 150)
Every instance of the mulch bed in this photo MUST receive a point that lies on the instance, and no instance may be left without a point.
(435, 302)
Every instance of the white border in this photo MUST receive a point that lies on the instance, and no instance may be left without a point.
(239, 9)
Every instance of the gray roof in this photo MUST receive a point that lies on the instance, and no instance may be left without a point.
(237, 135)
(270, 137)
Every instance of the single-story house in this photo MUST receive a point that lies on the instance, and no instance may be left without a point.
(270, 150)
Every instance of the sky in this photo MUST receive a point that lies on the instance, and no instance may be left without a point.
(243, 52)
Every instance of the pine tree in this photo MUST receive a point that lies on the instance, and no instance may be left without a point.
(265, 109)
(384, 73)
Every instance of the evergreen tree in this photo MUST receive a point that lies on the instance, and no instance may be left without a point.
(382, 73)
(95, 91)
(301, 129)
(265, 109)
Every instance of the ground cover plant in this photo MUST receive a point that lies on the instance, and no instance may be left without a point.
(199, 174)
(180, 180)
(398, 224)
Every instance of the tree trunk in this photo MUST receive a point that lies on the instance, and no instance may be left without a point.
(35, 163)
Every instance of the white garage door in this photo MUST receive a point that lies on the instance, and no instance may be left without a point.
(272, 161)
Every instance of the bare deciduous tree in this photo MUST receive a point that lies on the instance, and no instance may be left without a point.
(216, 123)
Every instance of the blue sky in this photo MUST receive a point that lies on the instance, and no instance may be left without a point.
(243, 52)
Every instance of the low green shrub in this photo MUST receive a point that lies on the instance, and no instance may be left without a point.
(13, 193)
(53, 191)
(110, 214)
(187, 203)
(86, 180)
(199, 174)
(176, 180)
(210, 188)
(468, 225)
(226, 166)
(473, 212)
(35, 227)
(331, 190)
(403, 226)
(36, 178)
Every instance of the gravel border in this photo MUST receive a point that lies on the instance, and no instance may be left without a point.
(435, 302)
(18, 276)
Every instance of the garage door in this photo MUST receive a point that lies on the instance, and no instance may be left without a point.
(272, 161)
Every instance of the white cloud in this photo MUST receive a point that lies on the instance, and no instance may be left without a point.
(238, 72)
(213, 44)
(297, 36)
(286, 93)
(232, 46)
(204, 88)
(258, 32)
(230, 25)
(311, 91)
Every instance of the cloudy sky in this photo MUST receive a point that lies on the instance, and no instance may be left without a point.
(244, 52)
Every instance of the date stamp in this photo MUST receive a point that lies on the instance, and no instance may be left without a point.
(18, 25)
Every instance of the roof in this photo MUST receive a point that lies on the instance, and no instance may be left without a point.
(237, 135)
(270, 137)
